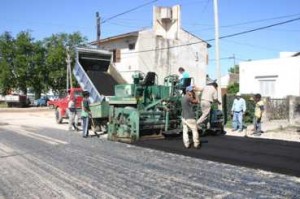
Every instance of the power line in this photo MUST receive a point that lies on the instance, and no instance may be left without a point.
(246, 23)
(222, 37)
(127, 11)
(260, 28)
(261, 20)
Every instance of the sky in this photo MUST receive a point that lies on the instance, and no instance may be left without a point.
(44, 18)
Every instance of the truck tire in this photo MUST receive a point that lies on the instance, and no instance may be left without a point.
(58, 116)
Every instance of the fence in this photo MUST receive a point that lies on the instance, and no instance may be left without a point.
(277, 109)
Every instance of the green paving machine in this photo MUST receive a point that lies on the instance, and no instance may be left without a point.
(144, 108)
(128, 112)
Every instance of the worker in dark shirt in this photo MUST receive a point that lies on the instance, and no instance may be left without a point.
(188, 118)
(85, 114)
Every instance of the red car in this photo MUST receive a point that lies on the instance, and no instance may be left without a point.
(61, 105)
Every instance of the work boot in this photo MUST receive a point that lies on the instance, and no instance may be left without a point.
(197, 146)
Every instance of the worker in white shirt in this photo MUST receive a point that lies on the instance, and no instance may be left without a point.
(238, 110)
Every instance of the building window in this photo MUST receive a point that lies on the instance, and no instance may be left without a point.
(116, 55)
(131, 46)
(267, 87)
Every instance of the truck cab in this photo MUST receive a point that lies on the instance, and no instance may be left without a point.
(61, 104)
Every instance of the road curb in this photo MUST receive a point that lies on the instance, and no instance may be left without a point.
(30, 109)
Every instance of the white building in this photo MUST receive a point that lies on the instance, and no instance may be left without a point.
(161, 49)
(276, 78)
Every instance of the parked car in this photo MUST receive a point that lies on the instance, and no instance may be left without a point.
(43, 101)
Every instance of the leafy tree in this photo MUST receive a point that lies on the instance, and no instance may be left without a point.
(55, 60)
(21, 63)
(24, 64)
(7, 65)
(37, 71)
(39, 65)
(235, 69)
(233, 88)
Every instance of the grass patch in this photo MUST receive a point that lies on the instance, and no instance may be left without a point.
(3, 105)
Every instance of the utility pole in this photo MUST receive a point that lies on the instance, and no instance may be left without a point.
(218, 68)
(234, 69)
(98, 28)
(69, 70)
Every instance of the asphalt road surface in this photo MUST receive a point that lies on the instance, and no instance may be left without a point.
(40, 159)
(270, 155)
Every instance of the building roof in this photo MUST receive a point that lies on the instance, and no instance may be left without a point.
(208, 45)
(122, 36)
(135, 34)
(296, 54)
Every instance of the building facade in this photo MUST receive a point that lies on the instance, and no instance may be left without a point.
(275, 78)
(162, 49)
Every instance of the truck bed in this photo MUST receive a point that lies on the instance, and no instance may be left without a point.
(103, 82)
(95, 73)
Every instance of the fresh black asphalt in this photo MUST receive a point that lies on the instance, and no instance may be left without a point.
(269, 155)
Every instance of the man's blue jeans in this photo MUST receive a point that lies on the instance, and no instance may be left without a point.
(85, 126)
(237, 121)
(257, 125)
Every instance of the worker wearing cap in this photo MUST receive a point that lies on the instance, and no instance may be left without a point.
(188, 118)
(209, 95)
(237, 111)
(85, 113)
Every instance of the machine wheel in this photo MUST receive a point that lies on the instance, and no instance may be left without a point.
(58, 116)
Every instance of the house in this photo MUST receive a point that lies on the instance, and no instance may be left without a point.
(161, 49)
(275, 78)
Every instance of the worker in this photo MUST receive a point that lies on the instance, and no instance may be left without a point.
(72, 113)
(238, 110)
(85, 114)
(188, 118)
(183, 74)
(209, 95)
(258, 111)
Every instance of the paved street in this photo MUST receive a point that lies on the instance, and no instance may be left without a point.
(40, 159)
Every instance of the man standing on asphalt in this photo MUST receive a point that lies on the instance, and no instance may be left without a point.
(238, 109)
(85, 114)
(72, 113)
(258, 111)
(188, 118)
(209, 95)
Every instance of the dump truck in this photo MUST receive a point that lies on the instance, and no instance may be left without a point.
(96, 74)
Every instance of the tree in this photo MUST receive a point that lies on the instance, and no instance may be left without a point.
(37, 71)
(39, 65)
(7, 54)
(234, 87)
(235, 69)
(56, 57)
(23, 61)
